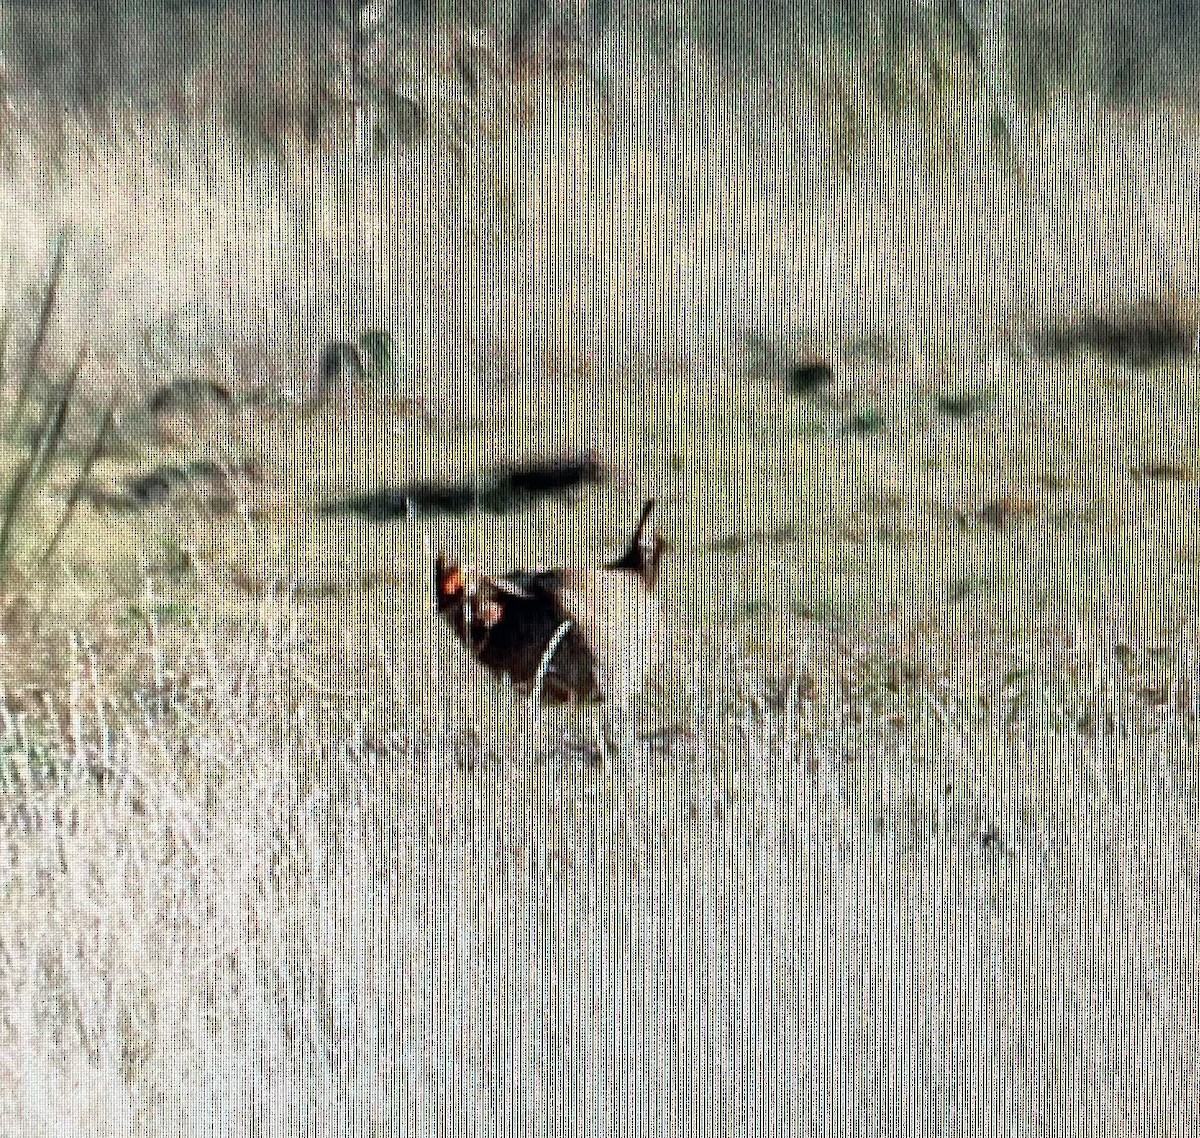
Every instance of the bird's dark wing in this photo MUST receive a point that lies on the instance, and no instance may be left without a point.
(539, 582)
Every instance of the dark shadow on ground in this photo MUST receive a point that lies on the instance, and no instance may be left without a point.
(504, 490)
(1140, 337)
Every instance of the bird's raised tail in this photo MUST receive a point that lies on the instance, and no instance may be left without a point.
(645, 552)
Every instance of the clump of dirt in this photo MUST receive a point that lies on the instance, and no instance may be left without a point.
(212, 482)
(1162, 472)
(964, 406)
(804, 374)
(809, 377)
(1000, 513)
(185, 409)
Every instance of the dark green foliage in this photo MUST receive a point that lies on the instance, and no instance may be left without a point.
(32, 475)
(378, 352)
(866, 422)
(25, 761)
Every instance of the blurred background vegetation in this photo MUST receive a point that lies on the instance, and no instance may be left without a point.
(86, 51)
(617, 226)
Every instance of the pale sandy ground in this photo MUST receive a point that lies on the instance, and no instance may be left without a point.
(333, 895)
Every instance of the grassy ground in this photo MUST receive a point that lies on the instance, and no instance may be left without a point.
(912, 811)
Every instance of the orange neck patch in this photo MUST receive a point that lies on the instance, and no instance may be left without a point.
(452, 583)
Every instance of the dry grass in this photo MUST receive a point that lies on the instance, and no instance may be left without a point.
(214, 922)
(616, 290)
(910, 810)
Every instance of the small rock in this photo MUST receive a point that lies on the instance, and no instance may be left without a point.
(1004, 510)
(155, 487)
(1163, 471)
(187, 394)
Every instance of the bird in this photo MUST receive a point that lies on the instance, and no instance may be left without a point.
(562, 635)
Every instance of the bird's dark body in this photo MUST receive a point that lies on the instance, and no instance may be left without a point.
(508, 622)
